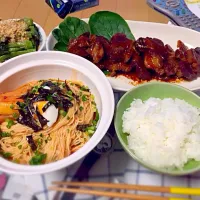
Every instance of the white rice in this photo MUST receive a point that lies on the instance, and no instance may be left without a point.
(163, 133)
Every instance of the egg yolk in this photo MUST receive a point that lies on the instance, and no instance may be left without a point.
(40, 105)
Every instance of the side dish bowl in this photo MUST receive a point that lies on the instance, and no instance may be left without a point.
(157, 90)
(20, 48)
(42, 37)
(58, 65)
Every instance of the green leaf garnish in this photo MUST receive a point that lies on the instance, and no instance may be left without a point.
(107, 24)
(60, 46)
(70, 28)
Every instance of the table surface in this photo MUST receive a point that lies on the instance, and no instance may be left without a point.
(133, 173)
(43, 15)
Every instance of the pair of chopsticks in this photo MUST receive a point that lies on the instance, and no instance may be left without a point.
(170, 190)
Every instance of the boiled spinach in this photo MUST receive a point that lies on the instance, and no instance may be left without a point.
(106, 23)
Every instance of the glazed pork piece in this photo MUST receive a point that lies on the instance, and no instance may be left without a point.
(148, 58)
(114, 55)
(79, 45)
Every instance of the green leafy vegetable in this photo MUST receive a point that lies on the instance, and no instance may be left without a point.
(60, 46)
(58, 35)
(107, 24)
(38, 158)
(20, 147)
(71, 27)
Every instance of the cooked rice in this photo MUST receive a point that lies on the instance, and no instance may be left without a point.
(163, 133)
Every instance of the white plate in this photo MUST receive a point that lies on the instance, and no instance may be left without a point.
(45, 65)
(169, 34)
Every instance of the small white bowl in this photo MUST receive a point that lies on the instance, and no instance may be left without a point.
(43, 37)
(52, 64)
(50, 42)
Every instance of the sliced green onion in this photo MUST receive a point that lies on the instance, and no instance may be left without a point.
(12, 106)
(81, 108)
(10, 123)
(6, 154)
(63, 113)
(15, 115)
(5, 134)
(84, 98)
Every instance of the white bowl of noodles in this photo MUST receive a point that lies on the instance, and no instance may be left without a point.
(55, 66)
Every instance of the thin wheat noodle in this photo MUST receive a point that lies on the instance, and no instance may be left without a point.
(58, 141)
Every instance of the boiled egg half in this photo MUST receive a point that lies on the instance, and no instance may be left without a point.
(51, 114)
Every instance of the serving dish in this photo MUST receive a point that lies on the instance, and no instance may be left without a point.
(45, 65)
(158, 90)
(169, 34)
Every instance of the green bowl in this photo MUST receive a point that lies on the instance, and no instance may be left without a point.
(158, 90)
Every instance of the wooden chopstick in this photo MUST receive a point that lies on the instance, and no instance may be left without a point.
(172, 190)
(114, 194)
